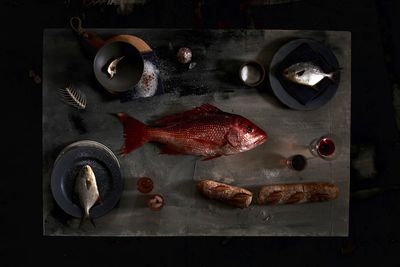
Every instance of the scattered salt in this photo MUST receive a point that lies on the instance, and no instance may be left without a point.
(147, 85)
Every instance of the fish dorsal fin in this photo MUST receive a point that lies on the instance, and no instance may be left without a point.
(205, 108)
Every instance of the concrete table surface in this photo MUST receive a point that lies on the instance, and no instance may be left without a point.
(213, 80)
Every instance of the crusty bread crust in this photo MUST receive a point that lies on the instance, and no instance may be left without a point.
(297, 193)
(232, 195)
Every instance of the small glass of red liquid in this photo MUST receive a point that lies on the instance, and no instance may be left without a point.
(296, 162)
(325, 147)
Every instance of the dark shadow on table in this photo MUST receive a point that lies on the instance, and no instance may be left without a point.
(227, 71)
(50, 156)
(60, 216)
(105, 95)
(267, 53)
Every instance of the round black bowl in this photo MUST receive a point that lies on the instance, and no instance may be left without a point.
(129, 69)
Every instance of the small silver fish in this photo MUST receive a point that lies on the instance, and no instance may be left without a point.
(112, 68)
(86, 188)
(307, 73)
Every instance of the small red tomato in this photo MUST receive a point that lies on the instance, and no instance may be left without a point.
(145, 185)
(156, 202)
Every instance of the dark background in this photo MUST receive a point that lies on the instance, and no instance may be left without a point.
(374, 237)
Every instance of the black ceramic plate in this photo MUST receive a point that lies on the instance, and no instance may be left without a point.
(105, 167)
(280, 91)
(129, 69)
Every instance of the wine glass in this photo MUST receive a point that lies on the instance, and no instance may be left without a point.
(296, 162)
(326, 147)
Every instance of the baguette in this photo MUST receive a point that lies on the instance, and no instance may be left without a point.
(297, 193)
(232, 195)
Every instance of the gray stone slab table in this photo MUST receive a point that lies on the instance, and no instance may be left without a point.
(213, 80)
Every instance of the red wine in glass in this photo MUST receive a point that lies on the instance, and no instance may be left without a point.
(325, 147)
(297, 162)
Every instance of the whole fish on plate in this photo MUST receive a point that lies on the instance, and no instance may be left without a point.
(88, 193)
(307, 73)
(203, 131)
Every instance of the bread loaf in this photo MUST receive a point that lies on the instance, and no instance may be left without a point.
(232, 195)
(297, 193)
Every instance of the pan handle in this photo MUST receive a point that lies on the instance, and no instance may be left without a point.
(90, 37)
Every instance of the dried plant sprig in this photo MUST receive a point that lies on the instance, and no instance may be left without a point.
(73, 97)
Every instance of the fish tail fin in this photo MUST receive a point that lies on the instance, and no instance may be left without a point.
(135, 133)
(334, 75)
(86, 217)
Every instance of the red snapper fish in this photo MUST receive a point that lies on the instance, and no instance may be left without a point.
(203, 131)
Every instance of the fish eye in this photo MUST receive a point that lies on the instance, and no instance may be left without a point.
(300, 73)
(249, 129)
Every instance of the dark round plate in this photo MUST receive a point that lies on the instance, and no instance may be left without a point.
(280, 91)
(105, 167)
(129, 69)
